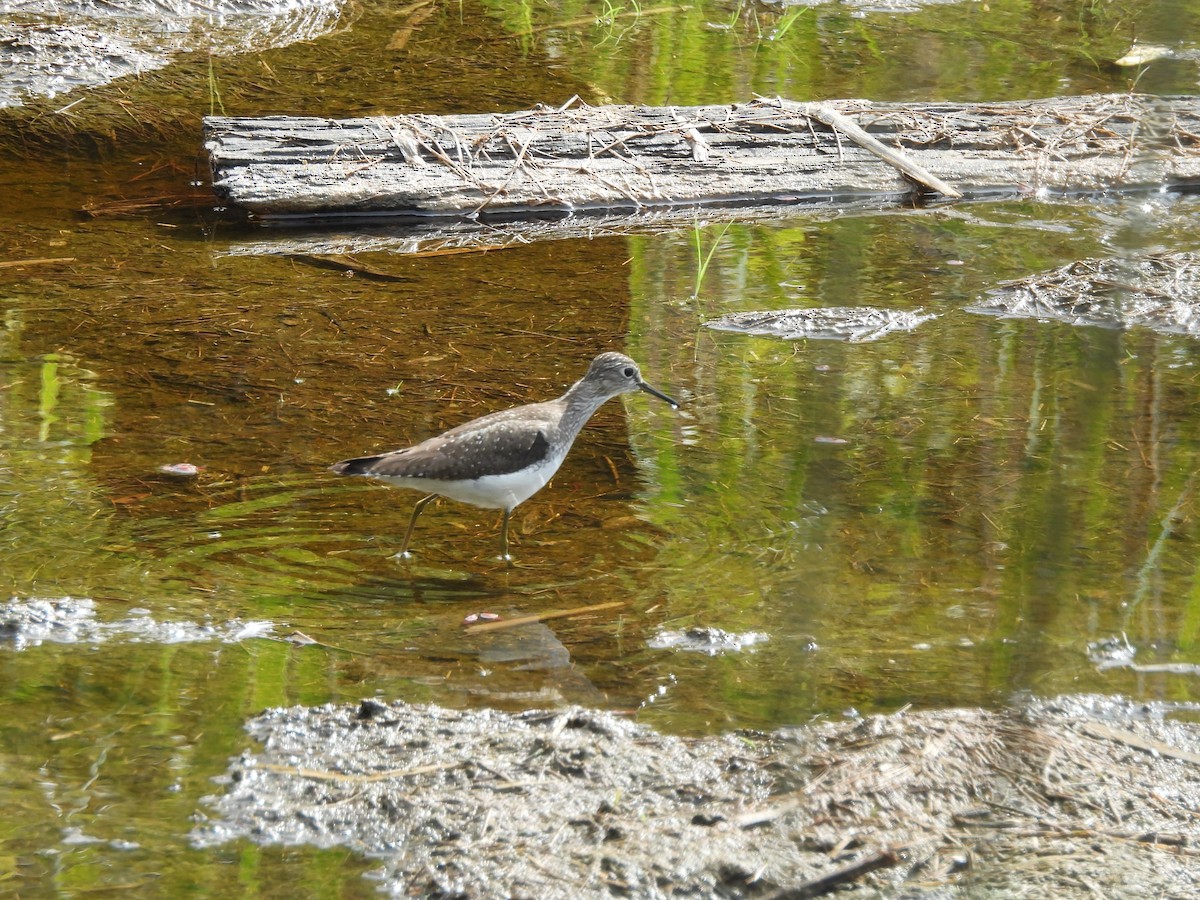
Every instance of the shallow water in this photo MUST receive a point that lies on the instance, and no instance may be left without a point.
(942, 517)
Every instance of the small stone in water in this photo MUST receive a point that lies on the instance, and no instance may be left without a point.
(186, 470)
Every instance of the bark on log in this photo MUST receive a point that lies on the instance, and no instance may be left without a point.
(627, 158)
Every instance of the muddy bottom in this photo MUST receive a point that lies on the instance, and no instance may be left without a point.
(1076, 796)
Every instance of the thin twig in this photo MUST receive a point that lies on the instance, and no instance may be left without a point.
(542, 617)
(826, 114)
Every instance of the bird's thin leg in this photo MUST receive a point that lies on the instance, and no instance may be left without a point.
(412, 523)
(504, 537)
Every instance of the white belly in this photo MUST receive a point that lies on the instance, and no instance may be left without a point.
(489, 491)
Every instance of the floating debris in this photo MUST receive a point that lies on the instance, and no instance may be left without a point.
(712, 641)
(70, 620)
(1111, 652)
(1050, 794)
(830, 323)
(1160, 292)
(55, 47)
(475, 618)
(1118, 653)
(862, 7)
(1141, 54)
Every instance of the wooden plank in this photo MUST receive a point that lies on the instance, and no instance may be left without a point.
(614, 159)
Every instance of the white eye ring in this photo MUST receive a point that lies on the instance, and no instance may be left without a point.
(628, 373)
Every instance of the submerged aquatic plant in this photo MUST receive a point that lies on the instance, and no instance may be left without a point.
(703, 259)
(214, 92)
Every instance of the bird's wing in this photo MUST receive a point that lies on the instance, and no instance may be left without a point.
(487, 448)
(535, 416)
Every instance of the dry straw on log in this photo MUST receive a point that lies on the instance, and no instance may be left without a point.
(630, 158)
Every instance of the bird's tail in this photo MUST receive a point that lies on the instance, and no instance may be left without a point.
(359, 466)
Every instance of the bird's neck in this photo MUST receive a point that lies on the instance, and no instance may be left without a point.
(579, 402)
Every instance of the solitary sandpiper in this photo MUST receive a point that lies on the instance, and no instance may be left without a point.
(502, 459)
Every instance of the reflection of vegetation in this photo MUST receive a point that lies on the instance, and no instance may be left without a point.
(132, 723)
(611, 11)
(707, 51)
(786, 21)
(52, 416)
(1016, 488)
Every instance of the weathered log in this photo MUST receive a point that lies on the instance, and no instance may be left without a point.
(629, 158)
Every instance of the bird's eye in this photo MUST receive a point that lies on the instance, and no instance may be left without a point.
(628, 373)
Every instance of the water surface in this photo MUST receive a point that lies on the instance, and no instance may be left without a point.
(939, 518)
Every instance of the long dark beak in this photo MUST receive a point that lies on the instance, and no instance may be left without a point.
(657, 393)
